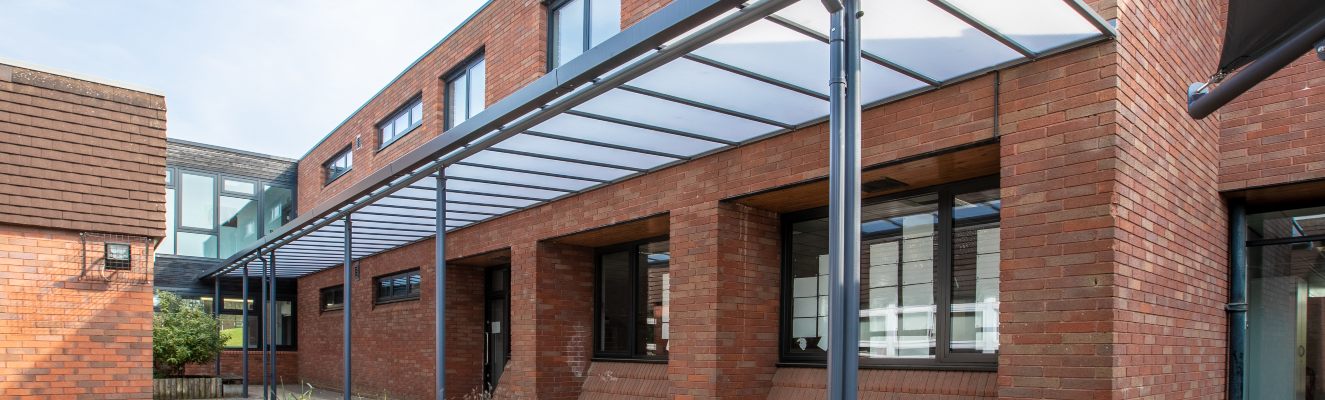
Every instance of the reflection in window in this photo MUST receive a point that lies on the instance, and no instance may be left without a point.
(400, 123)
(1286, 305)
(396, 287)
(333, 298)
(279, 205)
(239, 224)
(195, 244)
(167, 245)
(240, 187)
(339, 164)
(901, 247)
(197, 201)
(465, 92)
(579, 25)
(634, 298)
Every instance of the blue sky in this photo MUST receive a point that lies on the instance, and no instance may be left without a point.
(266, 76)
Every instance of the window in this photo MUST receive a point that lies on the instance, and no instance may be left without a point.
(339, 164)
(333, 298)
(232, 320)
(242, 187)
(167, 245)
(221, 219)
(279, 207)
(1285, 304)
(403, 121)
(397, 287)
(929, 279)
(633, 301)
(465, 91)
(579, 25)
(198, 201)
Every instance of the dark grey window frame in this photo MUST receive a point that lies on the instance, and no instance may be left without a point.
(462, 70)
(633, 248)
(943, 276)
(218, 190)
(257, 313)
(552, 8)
(332, 175)
(416, 294)
(382, 141)
(338, 290)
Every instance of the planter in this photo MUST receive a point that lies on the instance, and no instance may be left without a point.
(187, 387)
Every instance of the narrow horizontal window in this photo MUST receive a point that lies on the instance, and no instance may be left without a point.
(403, 121)
(339, 164)
(333, 298)
(396, 287)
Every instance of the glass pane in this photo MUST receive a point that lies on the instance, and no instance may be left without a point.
(569, 35)
(809, 267)
(235, 186)
(975, 272)
(1286, 224)
(196, 244)
(170, 176)
(168, 243)
(615, 303)
(197, 201)
(604, 20)
(284, 323)
(278, 203)
(458, 97)
(1286, 302)
(1037, 24)
(402, 123)
(920, 36)
(652, 324)
(416, 113)
(898, 241)
(232, 326)
(724, 89)
(630, 106)
(239, 224)
(478, 76)
(235, 304)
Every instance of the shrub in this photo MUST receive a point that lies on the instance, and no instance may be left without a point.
(182, 334)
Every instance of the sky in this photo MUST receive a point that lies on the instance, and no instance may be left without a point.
(269, 76)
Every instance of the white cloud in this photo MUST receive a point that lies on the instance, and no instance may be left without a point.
(266, 76)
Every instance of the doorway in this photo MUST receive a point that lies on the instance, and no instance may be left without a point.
(497, 317)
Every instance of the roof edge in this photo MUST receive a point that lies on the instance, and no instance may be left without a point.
(80, 76)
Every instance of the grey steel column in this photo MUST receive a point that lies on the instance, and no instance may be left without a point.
(844, 203)
(349, 300)
(243, 362)
(216, 314)
(439, 273)
(271, 320)
(266, 394)
(1237, 300)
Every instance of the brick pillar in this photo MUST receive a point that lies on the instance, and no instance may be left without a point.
(725, 272)
(552, 321)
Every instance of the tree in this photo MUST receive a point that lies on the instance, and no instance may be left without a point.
(182, 334)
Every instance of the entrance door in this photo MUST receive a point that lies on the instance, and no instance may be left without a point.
(497, 327)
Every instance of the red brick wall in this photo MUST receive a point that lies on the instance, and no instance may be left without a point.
(64, 336)
(1273, 133)
(393, 343)
(551, 321)
(725, 272)
(80, 155)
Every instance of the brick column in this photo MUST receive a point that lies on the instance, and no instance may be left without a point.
(724, 302)
(552, 321)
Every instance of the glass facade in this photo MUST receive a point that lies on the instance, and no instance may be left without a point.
(634, 299)
(232, 319)
(214, 216)
(929, 279)
(1286, 304)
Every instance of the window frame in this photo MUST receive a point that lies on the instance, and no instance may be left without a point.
(218, 180)
(257, 312)
(322, 298)
(382, 142)
(462, 69)
(378, 299)
(326, 165)
(633, 248)
(587, 29)
(943, 359)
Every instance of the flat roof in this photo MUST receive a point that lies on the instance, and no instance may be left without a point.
(80, 76)
(694, 78)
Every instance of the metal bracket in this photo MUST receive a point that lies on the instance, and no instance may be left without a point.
(1236, 307)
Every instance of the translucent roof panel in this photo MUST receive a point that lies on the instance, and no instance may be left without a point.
(624, 135)
(544, 165)
(698, 82)
(801, 60)
(920, 36)
(581, 151)
(653, 111)
(1037, 24)
(497, 175)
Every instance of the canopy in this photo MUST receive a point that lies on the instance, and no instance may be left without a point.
(1256, 26)
(696, 77)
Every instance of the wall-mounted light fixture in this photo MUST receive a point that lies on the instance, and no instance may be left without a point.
(118, 256)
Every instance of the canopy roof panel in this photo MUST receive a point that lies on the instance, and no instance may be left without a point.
(740, 75)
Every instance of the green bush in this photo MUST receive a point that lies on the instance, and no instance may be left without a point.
(182, 334)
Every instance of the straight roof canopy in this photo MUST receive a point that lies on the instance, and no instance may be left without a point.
(712, 74)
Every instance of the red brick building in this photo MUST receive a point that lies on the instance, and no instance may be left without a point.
(81, 210)
(1074, 223)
